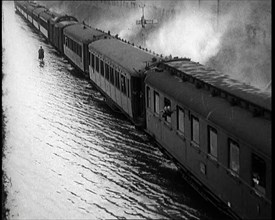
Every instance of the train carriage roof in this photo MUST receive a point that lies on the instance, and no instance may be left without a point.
(64, 17)
(235, 120)
(82, 33)
(57, 17)
(21, 3)
(46, 15)
(63, 24)
(223, 82)
(127, 56)
(39, 10)
(30, 8)
(54, 15)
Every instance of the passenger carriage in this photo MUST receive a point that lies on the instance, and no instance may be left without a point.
(23, 7)
(36, 13)
(223, 140)
(30, 7)
(77, 38)
(117, 68)
(59, 29)
(18, 5)
(44, 23)
(58, 37)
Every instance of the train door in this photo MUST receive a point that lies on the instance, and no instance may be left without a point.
(85, 58)
(60, 40)
(48, 29)
(55, 36)
(138, 98)
(51, 32)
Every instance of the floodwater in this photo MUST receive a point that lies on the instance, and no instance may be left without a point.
(66, 155)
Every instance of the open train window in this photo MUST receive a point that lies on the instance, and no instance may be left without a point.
(167, 110)
(101, 68)
(97, 64)
(69, 42)
(128, 89)
(180, 119)
(123, 84)
(195, 131)
(106, 71)
(234, 156)
(112, 75)
(80, 48)
(148, 97)
(117, 79)
(156, 102)
(212, 142)
(93, 60)
(258, 174)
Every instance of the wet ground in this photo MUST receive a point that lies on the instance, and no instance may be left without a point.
(66, 155)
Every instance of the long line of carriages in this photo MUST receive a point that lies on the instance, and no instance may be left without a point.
(217, 130)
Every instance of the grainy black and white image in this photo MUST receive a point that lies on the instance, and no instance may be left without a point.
(133, 109)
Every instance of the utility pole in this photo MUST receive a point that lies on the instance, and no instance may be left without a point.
(218, 13)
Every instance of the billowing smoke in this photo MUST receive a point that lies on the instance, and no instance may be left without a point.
(245, 48)
(237, 44)
(191, 32)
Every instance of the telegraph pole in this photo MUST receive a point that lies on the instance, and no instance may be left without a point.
(218, 13)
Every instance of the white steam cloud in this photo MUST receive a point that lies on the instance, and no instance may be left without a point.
(240, 46)
(189, 33)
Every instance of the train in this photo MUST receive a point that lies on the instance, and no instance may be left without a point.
(216, 129)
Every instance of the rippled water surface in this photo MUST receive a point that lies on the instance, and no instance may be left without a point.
(67, 155)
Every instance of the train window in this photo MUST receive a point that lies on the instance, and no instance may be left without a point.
(195, 131)
(89, 58)
(167, 110)
(212, 142)
(180, 119)
(97, 64)
(112, 75)
(106, 71)
(101, 67)
(93, 60)
(117, 79)
(234, 156)
(78, 50)
(148, 97)
(128, 90)
(258, 173)
(156, 102)
(123, 84)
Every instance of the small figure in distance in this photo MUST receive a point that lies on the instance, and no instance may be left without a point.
(41, 54)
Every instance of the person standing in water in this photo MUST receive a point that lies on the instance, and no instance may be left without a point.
(41, 53)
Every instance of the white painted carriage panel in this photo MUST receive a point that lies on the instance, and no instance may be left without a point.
(44, 31)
